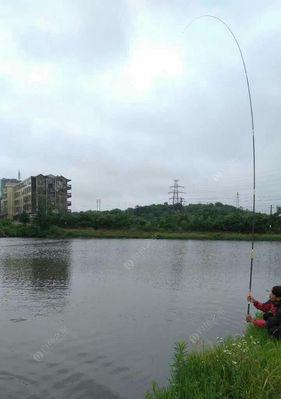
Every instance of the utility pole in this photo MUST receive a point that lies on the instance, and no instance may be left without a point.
(237, 200)
(176, 199)
(271, 221)
(46, 197)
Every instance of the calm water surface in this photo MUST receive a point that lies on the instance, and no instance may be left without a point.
(99, 318)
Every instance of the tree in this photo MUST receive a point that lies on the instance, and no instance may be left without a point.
(24, 218)
(45, 216)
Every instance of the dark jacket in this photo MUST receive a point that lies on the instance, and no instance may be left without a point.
(273, 323)
(271, 319)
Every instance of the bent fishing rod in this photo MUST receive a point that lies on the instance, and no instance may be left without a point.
(253, 140)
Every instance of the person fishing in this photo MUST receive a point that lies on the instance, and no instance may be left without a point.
(272, 312)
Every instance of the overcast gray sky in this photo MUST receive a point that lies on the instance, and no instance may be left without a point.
(114, 96)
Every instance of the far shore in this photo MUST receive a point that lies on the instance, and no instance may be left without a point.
(58, 232)
(92, 233)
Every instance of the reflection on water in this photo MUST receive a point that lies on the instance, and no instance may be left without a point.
(120, 323)
(178, 255)
(38, 272)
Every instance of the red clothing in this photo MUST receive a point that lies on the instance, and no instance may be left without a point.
(264, 307)
(259, 323)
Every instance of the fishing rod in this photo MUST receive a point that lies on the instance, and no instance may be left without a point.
(253, 141)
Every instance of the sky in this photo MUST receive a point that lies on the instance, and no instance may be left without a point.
(119, 97)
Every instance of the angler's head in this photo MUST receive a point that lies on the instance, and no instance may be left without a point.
(275, 294)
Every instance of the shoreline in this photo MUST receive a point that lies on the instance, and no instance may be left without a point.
(57, 232)
(91, 233)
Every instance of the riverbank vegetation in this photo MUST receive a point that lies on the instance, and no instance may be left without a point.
(199, 221)
(247, 367)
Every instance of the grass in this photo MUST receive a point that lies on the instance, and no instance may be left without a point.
(92, 233)
(8, 229)
(247, 367)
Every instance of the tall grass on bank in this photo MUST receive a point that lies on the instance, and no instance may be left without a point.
(16, 229)
(247, 367)
(19, 230)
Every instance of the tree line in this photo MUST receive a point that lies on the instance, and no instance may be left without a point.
(216, 217)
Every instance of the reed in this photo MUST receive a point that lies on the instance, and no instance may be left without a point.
(247, 367)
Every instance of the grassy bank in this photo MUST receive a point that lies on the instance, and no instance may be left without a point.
(248, 367)
(8, 229)
(91, 233)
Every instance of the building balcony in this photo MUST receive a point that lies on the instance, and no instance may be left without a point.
(68, 195)
(68, 203)
(69, 187)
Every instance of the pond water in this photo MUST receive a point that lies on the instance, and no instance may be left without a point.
(100, 318)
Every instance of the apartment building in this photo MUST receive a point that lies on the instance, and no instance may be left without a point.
(3, 183)
(42, 192)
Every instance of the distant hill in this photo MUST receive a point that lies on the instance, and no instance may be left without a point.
(163, 217)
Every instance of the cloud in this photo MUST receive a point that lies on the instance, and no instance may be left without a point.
(89, 32)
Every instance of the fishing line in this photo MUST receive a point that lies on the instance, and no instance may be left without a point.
(253, 141)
